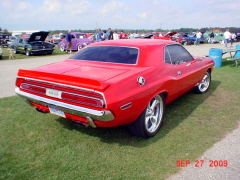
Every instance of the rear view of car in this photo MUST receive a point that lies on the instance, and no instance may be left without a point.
(115, 83)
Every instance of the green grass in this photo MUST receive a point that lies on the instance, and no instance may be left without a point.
(43, 146)
(24, 56)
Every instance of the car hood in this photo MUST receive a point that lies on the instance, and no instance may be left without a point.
(38, 36)
(170, 34)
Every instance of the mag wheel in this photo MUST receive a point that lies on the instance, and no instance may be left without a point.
(203, 86)
(62, 47)
(28, 53)
(79, 47)
(150, 121)
(15, 50)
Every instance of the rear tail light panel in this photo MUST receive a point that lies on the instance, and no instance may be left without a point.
(65, 93)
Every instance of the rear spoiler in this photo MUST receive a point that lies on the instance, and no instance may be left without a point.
(64, 79)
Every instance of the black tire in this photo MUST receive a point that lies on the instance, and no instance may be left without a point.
(204, 85)
(28, 53)
(149, 122)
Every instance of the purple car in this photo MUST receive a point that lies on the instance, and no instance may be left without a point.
(79, 40)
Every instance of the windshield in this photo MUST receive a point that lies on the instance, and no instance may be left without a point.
(111, 54)
(80, 36)
(25, 39)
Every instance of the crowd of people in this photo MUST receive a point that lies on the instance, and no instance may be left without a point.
(103, 35)
(113, 35)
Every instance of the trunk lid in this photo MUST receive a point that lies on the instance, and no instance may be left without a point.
(75, 73)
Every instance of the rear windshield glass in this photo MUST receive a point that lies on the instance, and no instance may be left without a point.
(112, 54)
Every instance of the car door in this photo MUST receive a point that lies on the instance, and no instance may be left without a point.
(184, 68)
(74, 42)
(19, 45)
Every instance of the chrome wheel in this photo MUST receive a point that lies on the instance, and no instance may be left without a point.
(15, 50)
(79, 47)
(62, 47)
(28, 53)
(204, 85)
(154, 114)
(149, 122)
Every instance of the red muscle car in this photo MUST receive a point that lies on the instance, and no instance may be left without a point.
(164, 35)
(118, 82)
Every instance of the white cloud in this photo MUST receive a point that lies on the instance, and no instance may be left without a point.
(23, 6)
(143, 15)
(112, 7)
(51, 6)
(134, 14)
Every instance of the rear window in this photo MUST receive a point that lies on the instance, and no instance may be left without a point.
(110, 54)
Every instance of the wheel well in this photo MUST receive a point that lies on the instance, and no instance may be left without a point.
(209, 70)
(165, 94)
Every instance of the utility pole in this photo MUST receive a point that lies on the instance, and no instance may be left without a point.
(96, 27)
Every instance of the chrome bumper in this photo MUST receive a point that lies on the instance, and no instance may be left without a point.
(67, 108)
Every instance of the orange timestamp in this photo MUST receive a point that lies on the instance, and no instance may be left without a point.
(199, 163)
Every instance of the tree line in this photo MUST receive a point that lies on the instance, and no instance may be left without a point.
(187, 30)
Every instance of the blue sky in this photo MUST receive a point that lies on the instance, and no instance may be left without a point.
(120, 14)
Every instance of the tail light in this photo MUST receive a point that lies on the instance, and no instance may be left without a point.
(89, 99)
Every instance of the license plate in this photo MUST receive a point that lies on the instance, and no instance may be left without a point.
(56, 111)
(54, 93)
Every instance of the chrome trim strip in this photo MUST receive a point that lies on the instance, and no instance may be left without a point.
(125, 106)
(66, 92)
(68, 108)
(59, 84)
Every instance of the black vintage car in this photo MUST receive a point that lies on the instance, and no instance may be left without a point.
(33, 45)
(4, 38)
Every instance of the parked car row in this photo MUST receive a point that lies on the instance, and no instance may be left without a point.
(41, 43)
(34, 44)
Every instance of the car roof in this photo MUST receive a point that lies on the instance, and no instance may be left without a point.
(144, 45)
(138, 43)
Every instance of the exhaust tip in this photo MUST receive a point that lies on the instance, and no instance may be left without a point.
(41, 111)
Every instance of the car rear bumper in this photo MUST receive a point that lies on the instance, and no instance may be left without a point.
(98, 115)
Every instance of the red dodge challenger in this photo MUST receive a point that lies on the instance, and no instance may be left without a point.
(116, 82)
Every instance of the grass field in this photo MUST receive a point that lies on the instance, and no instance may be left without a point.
(24, 56)
(43, 146)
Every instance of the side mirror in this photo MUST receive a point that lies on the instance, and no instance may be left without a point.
(198, 59)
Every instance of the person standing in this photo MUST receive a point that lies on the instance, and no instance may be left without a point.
(69, 42)
(227, 36)
(198, 37)
(105, 35)
(211, 37)
(99, 35)
(122, 35)
(115, 35)
(131, 36)
(233, 36)
(110, 34)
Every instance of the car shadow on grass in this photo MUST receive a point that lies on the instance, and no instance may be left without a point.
(176, 112)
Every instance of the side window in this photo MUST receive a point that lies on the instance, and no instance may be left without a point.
(167, 58)
(177, 54)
